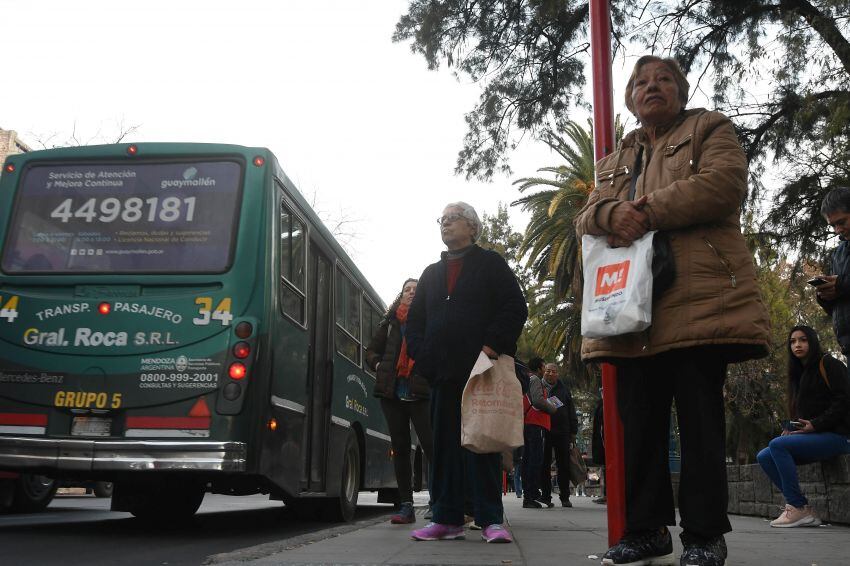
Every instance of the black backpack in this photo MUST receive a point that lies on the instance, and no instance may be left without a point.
(523, 375)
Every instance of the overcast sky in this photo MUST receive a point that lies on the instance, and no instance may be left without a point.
(357, 122)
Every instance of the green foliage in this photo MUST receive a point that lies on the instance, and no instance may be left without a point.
(527, 55)
(497, 235)
(550, 247)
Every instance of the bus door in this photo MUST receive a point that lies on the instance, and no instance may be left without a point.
(320, 370)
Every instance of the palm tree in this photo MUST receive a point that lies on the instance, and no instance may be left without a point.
(550, 242)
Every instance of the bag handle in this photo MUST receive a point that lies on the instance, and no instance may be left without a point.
(636, 170)
(823, 372)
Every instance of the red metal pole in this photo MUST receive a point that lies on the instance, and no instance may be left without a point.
(604, 143)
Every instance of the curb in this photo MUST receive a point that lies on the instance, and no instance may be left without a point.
(270, 548)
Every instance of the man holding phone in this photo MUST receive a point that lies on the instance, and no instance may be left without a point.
(833, 291)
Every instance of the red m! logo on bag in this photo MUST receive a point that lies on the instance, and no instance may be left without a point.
(610, 278)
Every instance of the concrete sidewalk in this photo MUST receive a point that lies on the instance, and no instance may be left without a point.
(562, 536)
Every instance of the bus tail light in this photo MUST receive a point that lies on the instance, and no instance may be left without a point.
(132, 149)
(231, 392)
(104, 308)
(243, 330)
(242, 350)
(272, 424)
(241, 356)
(259, 161)
(9, 168)
(237, 371)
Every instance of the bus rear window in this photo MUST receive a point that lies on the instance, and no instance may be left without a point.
(133, 217)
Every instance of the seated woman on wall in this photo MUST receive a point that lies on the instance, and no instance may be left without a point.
(818, 400)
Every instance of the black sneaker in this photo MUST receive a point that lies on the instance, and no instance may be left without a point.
(566, 503)
(531, 504)
(642, 548)
(546, 503)
(703, 552)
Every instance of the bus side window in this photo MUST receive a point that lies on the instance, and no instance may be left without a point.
(347, 317)
(293, 248)
(371, 320)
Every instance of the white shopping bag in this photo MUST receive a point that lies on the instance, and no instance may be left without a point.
(617, 287)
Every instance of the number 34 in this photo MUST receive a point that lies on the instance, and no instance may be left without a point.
(220, 313)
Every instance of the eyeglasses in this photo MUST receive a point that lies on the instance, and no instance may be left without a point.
(448, 219)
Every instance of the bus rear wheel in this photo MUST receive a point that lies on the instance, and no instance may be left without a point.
(167, 501)
(343, 507)
(102, 489)
(32, 493)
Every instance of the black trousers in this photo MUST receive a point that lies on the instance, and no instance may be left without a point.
(456, 471)
(560, 444)
(532, 461)
(399, 415)
(646, 388)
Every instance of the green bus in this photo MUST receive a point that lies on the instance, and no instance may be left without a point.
(176, 320)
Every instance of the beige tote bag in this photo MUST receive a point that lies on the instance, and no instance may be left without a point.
(491, 408)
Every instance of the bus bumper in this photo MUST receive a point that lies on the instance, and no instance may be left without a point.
(43, 454)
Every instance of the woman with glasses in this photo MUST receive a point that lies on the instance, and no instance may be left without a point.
(468, 304)
(403, 394)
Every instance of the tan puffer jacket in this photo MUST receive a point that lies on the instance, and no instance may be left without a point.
(696, 180)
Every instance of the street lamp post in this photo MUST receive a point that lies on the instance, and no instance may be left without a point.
(604, 142)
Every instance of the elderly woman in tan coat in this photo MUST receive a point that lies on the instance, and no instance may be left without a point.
(689, 179)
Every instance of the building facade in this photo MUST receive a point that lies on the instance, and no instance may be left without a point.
(11, 144)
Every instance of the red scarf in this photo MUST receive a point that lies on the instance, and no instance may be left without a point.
(405, 363)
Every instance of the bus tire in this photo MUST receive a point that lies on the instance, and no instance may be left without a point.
(32, 493)
(171, 501)
(342, 508)
(102, 489)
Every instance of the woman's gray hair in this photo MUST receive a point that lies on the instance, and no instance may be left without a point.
(469, 213)
(675, 70)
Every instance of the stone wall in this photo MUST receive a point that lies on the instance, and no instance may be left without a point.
(825, 484)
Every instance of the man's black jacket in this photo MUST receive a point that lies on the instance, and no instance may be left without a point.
(446, 333)
(565, 420)
(839, 308)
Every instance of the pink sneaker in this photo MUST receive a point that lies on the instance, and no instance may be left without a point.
(496, 533)
(436, 531)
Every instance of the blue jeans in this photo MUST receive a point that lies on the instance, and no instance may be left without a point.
(779, 460)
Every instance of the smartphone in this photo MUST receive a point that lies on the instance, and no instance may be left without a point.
(815, 281)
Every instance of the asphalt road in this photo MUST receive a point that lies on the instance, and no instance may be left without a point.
(82, 530)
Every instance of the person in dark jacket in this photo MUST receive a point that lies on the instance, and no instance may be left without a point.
(404, 395)
(834, 294)
(537, 413)
(818, 402)
(597, 448)
(560, 437)
(466, 304)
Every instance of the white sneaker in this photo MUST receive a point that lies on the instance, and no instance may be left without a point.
(796, 517)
